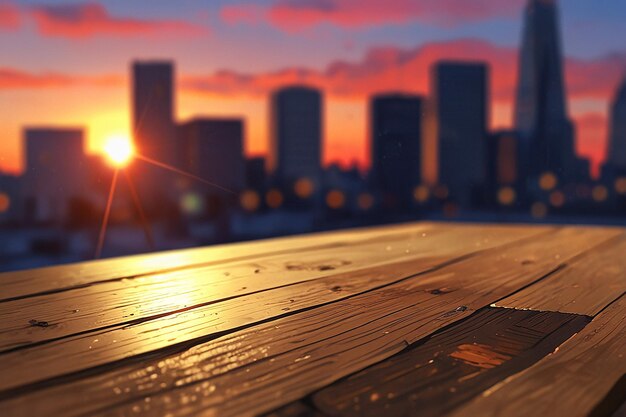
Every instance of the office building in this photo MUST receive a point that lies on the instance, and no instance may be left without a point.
(295, 134)
(460, 100)
(395, 143)
(546, 133)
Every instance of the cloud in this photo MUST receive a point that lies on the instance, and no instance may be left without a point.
(392, 69)
(10, 18)
(16, 79)
(297, 15)
(86, 20)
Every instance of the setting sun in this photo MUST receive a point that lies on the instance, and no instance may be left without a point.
(119, 150)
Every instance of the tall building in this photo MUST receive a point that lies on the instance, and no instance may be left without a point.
(153, 110)
(616, 157)
(396, 140)
(541, 111)
(56, 172)
(296, 134)
(255, 173)
(213, 150)
(460, 100)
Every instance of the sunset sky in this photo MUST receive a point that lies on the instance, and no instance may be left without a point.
(67, 63)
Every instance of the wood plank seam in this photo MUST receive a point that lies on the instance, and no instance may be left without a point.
(132, 322)
(199, 265)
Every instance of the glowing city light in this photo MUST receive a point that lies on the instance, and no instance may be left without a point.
(600, 193)
(421, 193)
(506, 196)
(335, 199)
(274, 198)
(5, 202)
(557, 198)
(620, 185)
(250, 200)
(304, 188)
(119, 150)
(548, 181)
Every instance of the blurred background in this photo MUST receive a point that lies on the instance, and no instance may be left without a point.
(144, 125)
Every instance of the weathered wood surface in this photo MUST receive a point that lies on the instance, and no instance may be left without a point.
(128, 301)
(586, 286)
(246, 329)
(58, 278)
(574, 380)
(309, 349)
(451, 367)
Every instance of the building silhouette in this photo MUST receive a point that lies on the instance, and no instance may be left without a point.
(616, 154)
(295, 134)
(212, 149)
(56, 173)
(255, 173)
(546, 132)
(395, 143)
(153, 110)
(155, 134)
(461, 111)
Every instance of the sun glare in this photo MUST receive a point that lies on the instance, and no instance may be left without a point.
(119, 150)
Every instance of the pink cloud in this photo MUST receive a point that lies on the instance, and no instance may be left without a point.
(92, 19)
(15, 79)
(296, 15)
(395, 69)
(10, 18)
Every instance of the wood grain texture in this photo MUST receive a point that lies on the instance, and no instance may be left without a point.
(112, 344)
(586, 286)
(262, 367)
(132, 300)
(21, 284)
(572, 381)
(451, 367)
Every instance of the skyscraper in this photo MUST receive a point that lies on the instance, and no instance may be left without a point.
(296, 134)
(616, 157)
(396, 139)
(547, 136)
(460, 100)
(213, 150)
(153, 110)
(56, 172)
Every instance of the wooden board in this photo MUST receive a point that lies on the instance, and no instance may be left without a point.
(586, 286)
(59, 278)
(264, 366)
(452, 366)
(129, 301)
(573, 381)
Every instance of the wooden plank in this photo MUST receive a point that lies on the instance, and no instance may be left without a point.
(111, 344)
(130, 301)
(586, 286)
(21, 284)
(452, 366)
(572, 381)
(262, 367)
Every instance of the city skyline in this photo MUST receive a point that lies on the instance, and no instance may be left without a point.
(243, 91)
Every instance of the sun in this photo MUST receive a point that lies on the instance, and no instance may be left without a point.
(118, 150)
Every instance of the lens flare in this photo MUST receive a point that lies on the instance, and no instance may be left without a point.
(119, 151)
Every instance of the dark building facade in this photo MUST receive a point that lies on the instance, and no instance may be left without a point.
(395, 143)
(541, 112)
(616, 155)
(56, 173)
(153, 110)
(296, 134)
(213, 150)
(461, 111)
